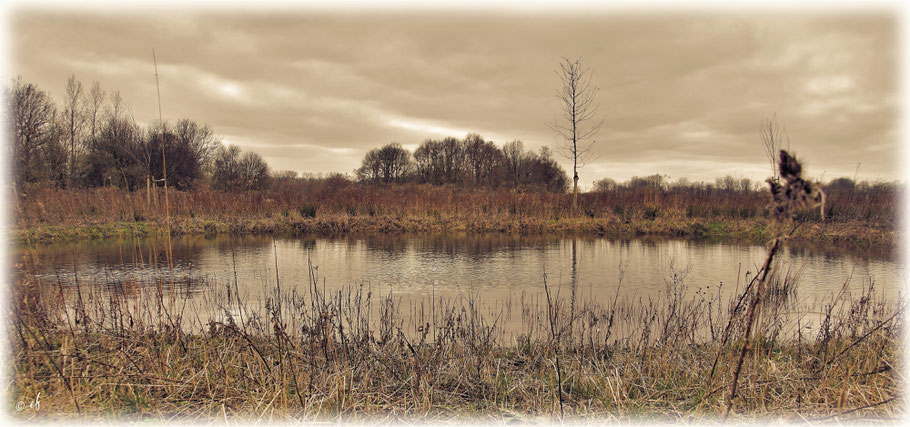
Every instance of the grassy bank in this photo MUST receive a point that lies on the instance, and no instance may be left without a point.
(56, 215)
(857, 233)
(352, 355)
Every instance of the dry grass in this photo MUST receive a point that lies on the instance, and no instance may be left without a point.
(334, 197)
(339, 206)
(148, 352)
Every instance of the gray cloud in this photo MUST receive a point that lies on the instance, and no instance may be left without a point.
(682, 93)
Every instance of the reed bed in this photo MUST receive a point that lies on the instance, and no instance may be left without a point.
(339, 206)
(156, 350)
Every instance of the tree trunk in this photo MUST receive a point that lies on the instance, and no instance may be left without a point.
(72, 159)
(575, 194)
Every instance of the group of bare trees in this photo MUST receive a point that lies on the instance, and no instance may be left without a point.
(90, 139)
(390, 163)
(232, 170)
(471, 161)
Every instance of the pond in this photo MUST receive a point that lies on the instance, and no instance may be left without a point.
(490, 268)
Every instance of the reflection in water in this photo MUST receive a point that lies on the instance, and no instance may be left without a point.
(490, 266)
(574, 282)
(119, 261)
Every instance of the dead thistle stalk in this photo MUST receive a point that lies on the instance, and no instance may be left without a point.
(786, 200)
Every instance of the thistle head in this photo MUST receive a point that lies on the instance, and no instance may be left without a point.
(790, 169)
(794, 195)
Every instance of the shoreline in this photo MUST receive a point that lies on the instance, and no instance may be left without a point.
(851, 233)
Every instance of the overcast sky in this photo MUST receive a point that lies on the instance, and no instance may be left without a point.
(682, 94)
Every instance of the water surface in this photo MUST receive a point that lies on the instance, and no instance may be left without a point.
(491, 266)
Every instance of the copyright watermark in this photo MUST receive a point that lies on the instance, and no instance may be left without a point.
(34, 404)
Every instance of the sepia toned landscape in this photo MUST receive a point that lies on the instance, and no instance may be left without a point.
(481, 216)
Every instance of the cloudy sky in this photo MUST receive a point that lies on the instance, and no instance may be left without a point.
(682, 93)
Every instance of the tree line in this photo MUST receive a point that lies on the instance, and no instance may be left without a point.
(842, 187)
(471, 161)
(91, 139)
(728, 183)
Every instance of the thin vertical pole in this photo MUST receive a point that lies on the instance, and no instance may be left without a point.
(167, 207)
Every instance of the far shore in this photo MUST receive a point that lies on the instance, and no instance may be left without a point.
(754, 230)
(323, 207)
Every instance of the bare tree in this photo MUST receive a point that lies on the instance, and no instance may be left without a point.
(513, 153)
(453, 159)
(116, 107)
(226, 173)
(188, 148)
(773, 137)
(391, 163)
(54, 156)
(578, 122)
(254, 171)
(427, 163)
(199, 139)
(75, 119)
(95, 101)
(482, 159)
(33, 120)
(544, 172)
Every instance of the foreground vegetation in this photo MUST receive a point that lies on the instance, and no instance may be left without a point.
(142, 350)
(865, 216)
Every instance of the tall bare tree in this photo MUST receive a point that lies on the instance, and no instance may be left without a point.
(116, 106)
(513, 153)
(75, 119)
(773, 138)
(579, 121)
(93, 109)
